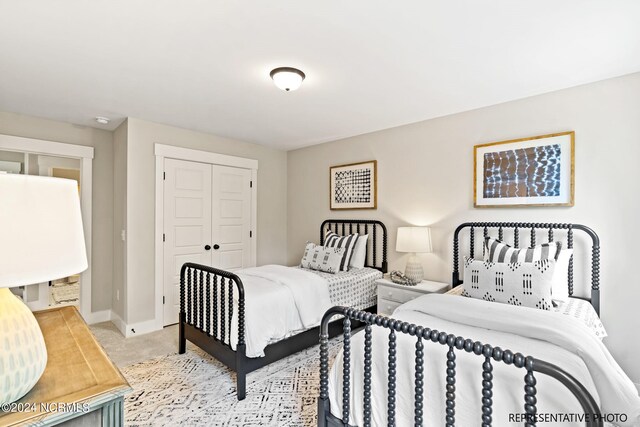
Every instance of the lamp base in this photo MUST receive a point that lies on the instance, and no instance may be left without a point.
(413, 270)
(24, 355)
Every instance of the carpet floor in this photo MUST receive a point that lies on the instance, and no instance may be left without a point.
(194, 389)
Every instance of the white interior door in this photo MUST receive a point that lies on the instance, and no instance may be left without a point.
(231, 218)
(187, 225)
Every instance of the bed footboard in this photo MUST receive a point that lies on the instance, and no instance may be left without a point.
(207, 314)
(425, 336)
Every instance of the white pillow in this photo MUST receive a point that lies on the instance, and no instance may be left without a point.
(560, 290)
(322, 258)
(359, 256)
(348, 242)
(498, 251)
(518, 283)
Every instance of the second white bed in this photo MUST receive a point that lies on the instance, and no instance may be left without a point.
(546, 335)
(283, 301)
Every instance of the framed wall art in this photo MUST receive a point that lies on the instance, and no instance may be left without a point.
(353, 186)
(536, 171)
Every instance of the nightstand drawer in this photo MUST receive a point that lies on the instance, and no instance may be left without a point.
(387, 307)
(397, 295)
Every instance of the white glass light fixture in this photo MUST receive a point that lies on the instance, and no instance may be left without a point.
(414, 240)
(287, 78)
(41, 239)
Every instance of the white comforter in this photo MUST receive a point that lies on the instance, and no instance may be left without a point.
(548, 336)
(279, 301)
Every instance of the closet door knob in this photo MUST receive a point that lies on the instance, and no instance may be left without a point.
(207, 247)
(216, 246)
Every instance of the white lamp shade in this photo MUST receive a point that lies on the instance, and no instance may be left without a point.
(41, 236)
(413, 239)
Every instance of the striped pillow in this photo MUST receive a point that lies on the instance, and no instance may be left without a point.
(497, 251)
(332, 240)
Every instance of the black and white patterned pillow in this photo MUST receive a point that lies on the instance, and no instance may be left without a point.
(498, 251)
(322, 258)
(348, 242)
(519, 283)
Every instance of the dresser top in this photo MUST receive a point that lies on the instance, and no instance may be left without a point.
(78, 370)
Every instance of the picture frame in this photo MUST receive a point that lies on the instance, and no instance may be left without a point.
(533, 171)
(353, 186)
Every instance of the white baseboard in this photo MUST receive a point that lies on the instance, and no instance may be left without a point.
(141, 328)
(98, 316)
(128, 330)
(119, 323)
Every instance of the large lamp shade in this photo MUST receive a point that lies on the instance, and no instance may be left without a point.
(413, 239)
(41, 239)
(41, 230)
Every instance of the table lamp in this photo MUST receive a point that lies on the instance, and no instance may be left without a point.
(414, 240)
(41, 239)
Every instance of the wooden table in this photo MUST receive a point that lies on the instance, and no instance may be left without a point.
(80, 385)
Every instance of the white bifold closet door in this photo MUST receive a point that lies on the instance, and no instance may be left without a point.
(207, 220)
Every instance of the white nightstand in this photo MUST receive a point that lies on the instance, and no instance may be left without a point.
(391, 295)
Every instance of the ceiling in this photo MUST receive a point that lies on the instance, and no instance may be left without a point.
(370, 64)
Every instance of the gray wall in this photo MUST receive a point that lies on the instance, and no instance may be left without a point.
(12, 156)
(272, 202)
(118, 297)
(102, 142)
(425, 178)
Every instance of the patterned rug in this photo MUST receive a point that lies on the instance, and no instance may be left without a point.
(194, 389)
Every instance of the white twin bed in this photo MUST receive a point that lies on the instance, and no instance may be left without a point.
(405, 371)
(281, 302)
(259, 315)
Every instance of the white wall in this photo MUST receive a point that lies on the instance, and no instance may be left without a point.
(140, 205)
(425, 178)
(102, 220)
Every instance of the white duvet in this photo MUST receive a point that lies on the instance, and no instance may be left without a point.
(549, 336)
(279, 302)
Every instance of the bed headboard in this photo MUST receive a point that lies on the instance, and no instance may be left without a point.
(362, 226)
(533, 229)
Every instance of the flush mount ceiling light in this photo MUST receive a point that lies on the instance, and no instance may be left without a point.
(287, 78)
(103, 120)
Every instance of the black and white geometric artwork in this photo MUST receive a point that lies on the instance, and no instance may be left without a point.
(353, 186)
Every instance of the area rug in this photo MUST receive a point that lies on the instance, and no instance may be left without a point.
(194, 389)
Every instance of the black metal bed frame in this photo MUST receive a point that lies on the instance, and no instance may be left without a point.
(426, 335)
(533, 227)
(207, 300)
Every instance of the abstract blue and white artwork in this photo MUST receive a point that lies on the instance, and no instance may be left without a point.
(529, 171)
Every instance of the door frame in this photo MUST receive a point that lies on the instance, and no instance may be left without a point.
(85, 155)
(162, 152)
